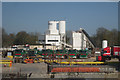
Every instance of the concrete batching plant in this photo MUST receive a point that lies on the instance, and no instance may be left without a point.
(81, 40)
(54, 36)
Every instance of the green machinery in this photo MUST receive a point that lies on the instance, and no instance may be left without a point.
(84, 53)
(19, 54)
(47, 53)
(61, 53)
(72, 53)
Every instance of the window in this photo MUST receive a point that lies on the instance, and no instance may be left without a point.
(52, 40)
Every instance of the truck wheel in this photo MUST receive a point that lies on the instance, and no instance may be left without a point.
(109, 58)
(65, 56)
(78, 56)
(103, 59)
(15, 60)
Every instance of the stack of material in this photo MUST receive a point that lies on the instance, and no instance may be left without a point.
(76, 69)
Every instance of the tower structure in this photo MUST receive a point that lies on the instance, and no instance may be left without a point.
(55, 36)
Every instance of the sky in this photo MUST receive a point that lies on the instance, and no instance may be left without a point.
(34, 16)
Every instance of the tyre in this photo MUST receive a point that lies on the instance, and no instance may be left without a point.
(78, 56)
(109, 58)
(15, 60)
(65, 57)
(103, 59)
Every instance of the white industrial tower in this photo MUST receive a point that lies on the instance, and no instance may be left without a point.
(62, 33)
(81, 40)
(54, 36)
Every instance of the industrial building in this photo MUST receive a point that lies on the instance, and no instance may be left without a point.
(55, 36)
(81, 40)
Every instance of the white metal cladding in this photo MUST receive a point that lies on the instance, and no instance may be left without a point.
(84, 41)
(62, 26)
(52, 32)
(52, 25)
(77, 40)
(52, 39)
(104, 43)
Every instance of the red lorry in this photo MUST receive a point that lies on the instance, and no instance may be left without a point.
(110, 52)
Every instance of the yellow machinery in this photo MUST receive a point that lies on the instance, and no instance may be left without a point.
(11, 57)
(5, 62)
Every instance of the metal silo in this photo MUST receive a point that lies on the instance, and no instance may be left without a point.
(104, 43)
(52, 25)
(62, 27)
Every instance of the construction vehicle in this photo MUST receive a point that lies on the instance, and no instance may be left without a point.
(65, 53)
(61, 54)
(28, 60)
(9, 54)
(19, 54)
(72, 53)
(84, 54)
(31, 53)
(46, 53)
(110, 52)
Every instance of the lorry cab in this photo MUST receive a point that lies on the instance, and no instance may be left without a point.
(110, 52)
(106, 51)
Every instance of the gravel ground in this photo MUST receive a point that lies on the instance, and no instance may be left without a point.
(39, 70)
(35, 69)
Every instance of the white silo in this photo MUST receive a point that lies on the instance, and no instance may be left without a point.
(62, 27)
(52, 25)
(104, 43)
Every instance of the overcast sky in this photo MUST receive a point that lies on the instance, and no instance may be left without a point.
(34, 16)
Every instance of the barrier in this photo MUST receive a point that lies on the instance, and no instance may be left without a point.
(5, 62)
(9, 63)
(81, 62)
(59, 62)
(74, 62)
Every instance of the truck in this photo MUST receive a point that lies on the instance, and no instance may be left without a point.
(72, 53)
(110, 52)
(61, 54)
(84, 54)
(46, 53)
(19, 55)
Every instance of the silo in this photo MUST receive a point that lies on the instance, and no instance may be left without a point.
(62, 27)
(62, 32)
(104, 43)
(52, 25)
